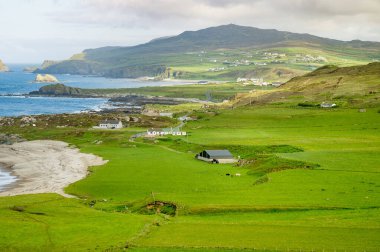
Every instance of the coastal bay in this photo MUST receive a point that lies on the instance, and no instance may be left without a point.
(14, 85)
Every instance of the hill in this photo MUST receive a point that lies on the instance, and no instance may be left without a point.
(345, 86)
(222, 52)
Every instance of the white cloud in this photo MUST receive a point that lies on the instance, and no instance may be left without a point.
(312, 16)
(78, 24)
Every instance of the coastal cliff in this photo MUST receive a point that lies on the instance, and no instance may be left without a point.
(48, 63)
(83, 67)
(3, 67)
(30, 69)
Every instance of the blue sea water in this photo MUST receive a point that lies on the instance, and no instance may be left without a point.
(18, 82)
(6, 178)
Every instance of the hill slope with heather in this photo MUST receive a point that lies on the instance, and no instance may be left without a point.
(345, 86)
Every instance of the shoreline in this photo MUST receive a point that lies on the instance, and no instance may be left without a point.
(8, 168)
(44, 166)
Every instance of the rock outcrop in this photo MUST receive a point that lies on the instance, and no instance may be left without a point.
(3, 67)
(57, 90)
(46, 78)
(10, 138)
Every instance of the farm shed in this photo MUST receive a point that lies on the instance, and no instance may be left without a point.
(216, 156)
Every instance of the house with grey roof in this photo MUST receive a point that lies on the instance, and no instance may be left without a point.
(110, 124)
(216, 156)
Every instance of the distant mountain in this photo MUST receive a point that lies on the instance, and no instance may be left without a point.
(190, 48)
(357, 86)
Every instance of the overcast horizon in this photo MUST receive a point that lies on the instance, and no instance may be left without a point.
(34, 30)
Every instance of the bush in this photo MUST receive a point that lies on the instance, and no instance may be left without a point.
(307, 104)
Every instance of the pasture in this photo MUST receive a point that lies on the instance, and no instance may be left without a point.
(319, 187)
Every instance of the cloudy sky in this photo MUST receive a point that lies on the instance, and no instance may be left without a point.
(34, 30)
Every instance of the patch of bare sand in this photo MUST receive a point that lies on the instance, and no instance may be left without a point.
(45, 166)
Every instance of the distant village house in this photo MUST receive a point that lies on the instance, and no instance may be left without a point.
(164, 132)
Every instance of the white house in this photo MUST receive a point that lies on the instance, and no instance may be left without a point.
(216, 156)
(163, 132)
(111, 124)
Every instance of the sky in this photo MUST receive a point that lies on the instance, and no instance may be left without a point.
(34, 30)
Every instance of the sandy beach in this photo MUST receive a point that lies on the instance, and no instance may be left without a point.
(45, 166)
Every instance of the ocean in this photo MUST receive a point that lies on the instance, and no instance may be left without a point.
(18, 83)
(6, 178)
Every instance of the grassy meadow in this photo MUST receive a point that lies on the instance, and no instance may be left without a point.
(310, 181)
(215, 92)
(197, 66)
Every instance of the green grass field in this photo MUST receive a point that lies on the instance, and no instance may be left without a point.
(320, 192)
(196, 66)
(215, 92)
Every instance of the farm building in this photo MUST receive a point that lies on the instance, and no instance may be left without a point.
(111, 124)
(216, 156)
(327, 105)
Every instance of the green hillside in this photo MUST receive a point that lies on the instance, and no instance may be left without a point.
(224, 53)
(356, 86)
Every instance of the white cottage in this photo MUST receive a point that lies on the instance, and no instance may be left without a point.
(111, 124)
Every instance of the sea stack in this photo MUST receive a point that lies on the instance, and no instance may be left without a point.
(3, 67)
(40, 78)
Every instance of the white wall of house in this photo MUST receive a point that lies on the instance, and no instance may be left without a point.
(111, 125)
(163, 133)
(220, 160)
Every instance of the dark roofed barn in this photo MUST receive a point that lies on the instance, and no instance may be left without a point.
(216, 156)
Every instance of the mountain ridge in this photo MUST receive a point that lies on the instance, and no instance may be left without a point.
(156, 56)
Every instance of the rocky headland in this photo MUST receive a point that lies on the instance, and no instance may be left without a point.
(118, 99)
(3, 67)
(58, 90)
(30, 69)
